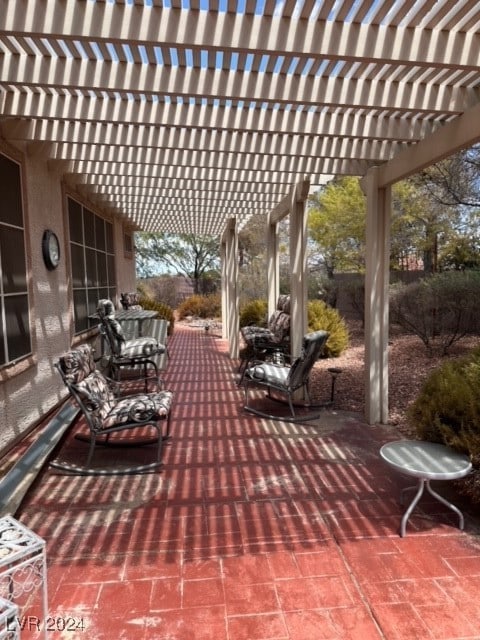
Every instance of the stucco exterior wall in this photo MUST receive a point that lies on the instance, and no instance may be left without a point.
(32, 387)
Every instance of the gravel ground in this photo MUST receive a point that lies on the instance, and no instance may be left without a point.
(409, 365)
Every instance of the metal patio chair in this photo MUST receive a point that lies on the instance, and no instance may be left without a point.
(285, 381)
(107, 412)
(130, 300)
(132, 354)
(270, 342)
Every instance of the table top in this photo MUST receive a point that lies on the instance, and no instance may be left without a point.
(135, 314)
(427, 460)
(130, 314)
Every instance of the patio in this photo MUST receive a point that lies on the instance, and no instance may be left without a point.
(253, 530)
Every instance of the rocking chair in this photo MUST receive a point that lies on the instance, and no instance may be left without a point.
(123, 353)
(107, 413)
(286, 380)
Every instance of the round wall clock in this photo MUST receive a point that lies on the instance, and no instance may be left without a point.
(50, 249)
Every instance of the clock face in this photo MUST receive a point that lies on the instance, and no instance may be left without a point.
(54, 249)
(50, 249)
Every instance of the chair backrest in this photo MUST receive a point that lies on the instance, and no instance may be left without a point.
(76, 365)
(283, 303)
(279, 321)
(86, 384)
(312, 347)
(110, 327)
(130, 300)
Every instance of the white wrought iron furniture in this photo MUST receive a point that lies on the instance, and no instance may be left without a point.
(23, 571)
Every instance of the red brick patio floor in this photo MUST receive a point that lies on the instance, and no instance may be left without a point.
(253, 530)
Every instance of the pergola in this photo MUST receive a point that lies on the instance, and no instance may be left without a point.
(190, 116)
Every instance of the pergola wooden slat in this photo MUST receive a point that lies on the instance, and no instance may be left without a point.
(193, 116)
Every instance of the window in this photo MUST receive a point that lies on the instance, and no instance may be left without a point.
(93, 262)
(15, 339)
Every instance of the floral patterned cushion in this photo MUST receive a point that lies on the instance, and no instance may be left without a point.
(78, 363)
(148, 406)
(105, 308)
(281, 327)
(130, 301)
(278, 329)
(96, 394)
(283, 303)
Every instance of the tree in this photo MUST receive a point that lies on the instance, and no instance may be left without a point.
(337, 226)
(423, 227)
(460, 253)
(196, 257)
(251, 240)
(420, 224)
(454, 182)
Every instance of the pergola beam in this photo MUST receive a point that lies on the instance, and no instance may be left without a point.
(123, 141)
(206, 117)
(144, 25)
(459, 134)
(103, 75)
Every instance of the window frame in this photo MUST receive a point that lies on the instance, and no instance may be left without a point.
(15, 285)
(92, 261)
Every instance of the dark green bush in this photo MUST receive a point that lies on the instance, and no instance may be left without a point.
(163, 310)
(447, 410)
(255, 313)
(321, 316)
(208, 306)
(440, 309)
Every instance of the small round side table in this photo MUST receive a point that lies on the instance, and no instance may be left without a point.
(426, 461)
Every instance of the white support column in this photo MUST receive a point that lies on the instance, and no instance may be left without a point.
(376, 298)
(232, 315)
(298, 266)
(273, 268)
(224, 288)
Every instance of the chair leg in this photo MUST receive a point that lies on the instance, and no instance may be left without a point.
(87, 470)
(93, 439)
(290, 404)
(167, 434)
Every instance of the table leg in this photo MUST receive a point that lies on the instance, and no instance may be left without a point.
(413, 504)
(447, 504)
(421, 485)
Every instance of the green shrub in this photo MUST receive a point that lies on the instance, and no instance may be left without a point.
(447, 410)
(321, 316)
(440, 309)
(208, 306)
(163, 311)
(254, 312)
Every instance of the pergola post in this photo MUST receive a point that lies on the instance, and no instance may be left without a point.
(376, 298)
(231, 305)
(273, 269)
(298, 266)
(223, 267)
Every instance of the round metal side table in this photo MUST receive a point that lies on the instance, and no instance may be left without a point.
(426, 461)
